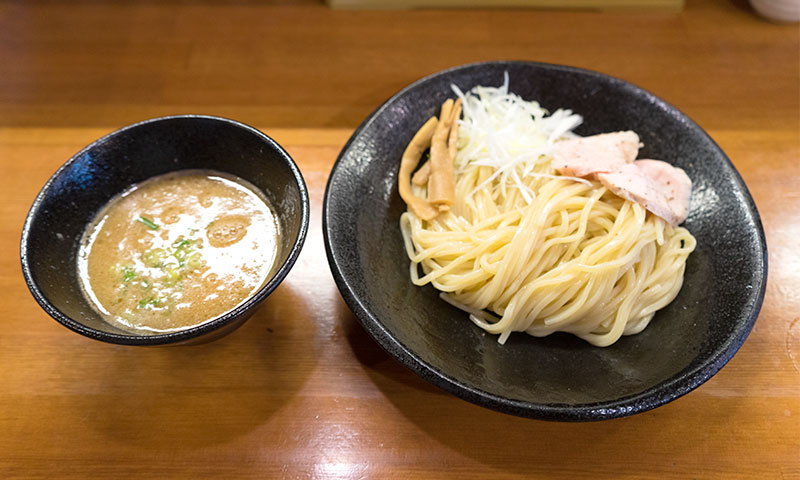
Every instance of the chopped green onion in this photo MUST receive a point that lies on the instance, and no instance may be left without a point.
(171, 276)
(195, 261)
(154, 258)
(181, 243)
(181, 249)
(151, 302)
(128, 274)
(147, 222)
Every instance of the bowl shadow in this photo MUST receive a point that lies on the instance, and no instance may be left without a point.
(513, 444)
(207, 394)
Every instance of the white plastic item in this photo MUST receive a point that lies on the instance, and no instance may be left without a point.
(778, 10)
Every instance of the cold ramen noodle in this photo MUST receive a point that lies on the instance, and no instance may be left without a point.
(177, 250)
(529, 228)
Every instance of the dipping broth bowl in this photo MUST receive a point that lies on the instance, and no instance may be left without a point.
(74, 195)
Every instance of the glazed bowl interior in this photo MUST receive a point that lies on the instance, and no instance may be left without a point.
(559, 377)
(81, 187)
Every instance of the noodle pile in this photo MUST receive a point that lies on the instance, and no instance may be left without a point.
(523, 249)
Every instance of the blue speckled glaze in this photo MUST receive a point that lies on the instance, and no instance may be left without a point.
(558, 377)
(84, 184)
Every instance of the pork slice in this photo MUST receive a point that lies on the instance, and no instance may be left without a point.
(659, 187)
(673, 182)
(587, 156)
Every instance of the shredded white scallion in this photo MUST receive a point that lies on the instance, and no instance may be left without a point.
(501, 130)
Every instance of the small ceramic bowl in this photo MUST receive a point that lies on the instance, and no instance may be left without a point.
(559, 377)
(73, 196)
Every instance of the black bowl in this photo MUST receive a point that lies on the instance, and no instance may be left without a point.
(82, 186)
(559, 377)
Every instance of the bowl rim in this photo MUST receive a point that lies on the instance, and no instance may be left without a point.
(670, 389)
(179, 336)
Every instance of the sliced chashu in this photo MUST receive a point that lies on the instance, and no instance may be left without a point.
(588, 156)
(656, 185)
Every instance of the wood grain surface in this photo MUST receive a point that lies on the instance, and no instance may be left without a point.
(301, 391)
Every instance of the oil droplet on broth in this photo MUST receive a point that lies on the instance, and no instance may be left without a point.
(227, 230)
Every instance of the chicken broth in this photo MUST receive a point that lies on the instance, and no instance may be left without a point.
(177, 250)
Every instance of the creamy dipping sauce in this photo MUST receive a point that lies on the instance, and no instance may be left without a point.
(177, 250)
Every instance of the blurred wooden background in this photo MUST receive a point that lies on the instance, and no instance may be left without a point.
(600, 5)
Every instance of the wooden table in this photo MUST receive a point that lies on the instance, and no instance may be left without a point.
(301, 391)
